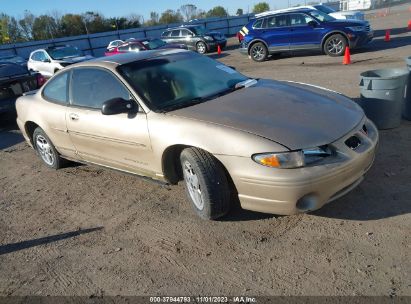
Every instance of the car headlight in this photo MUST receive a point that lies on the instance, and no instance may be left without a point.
(284, 160)
(357, 28)
(294, 159)
(209, 38)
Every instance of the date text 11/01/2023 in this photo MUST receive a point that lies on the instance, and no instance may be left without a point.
(202, 299)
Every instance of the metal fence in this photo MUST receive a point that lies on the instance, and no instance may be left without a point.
(95, 44)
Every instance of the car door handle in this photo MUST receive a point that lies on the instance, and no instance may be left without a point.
(73, 116)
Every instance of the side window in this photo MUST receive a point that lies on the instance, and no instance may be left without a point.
(166, 34)
(277, 21)
(42, 56)
(123, 48)
(56, 89)
(298, 19)
(35, 56)
(91, 87)
(185, 33)
(258, 24)
(135, 47)
(175, 33)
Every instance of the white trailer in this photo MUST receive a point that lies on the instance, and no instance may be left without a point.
(352, 5)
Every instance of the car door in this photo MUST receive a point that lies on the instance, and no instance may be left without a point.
(55, 93)
(45, 63)
(118, 141)
(304, 35)
(274, 30)
(186, 37)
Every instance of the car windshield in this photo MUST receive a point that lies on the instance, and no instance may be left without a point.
(321, 16)
(324, 9)
(178, 80)
(64, 52)
(198, 30)
(153, 43)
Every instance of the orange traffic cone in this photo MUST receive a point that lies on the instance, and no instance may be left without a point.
(347, 56)
(387, 36)
(219, 50)
(409, 25)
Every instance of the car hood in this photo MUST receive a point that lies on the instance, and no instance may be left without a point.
(295, 115)
(75, 59)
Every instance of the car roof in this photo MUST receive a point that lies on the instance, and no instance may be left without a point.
(124, 58)
(286, 10)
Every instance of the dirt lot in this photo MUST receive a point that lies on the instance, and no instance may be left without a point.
(87, 231)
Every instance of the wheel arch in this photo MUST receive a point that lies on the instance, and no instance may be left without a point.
(29, 127)
(252, 42)
(333, 33)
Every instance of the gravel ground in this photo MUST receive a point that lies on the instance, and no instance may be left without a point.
(88, 231)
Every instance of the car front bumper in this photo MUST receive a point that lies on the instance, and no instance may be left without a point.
(213, 45)
(291, 191)
(361, 39)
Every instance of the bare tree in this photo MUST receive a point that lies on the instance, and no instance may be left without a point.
(189, 11)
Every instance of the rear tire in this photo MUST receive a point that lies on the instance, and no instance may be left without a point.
(335, 45)
(46, 150)
(258, 52)
(206, 183)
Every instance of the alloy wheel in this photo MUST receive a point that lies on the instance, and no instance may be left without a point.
(193, 185)
(45, 150)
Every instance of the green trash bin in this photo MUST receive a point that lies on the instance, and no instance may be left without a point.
(382, 96)
(406, 112)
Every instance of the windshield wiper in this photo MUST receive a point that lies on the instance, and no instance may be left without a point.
(184, 104)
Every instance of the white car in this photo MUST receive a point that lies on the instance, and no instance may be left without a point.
(113, 44)
(352, 15)
(50, 60)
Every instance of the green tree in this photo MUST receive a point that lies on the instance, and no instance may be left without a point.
(240, 12)
(170, 16)
(44, 27)
(72, 25)
(154, 19)
(217, 11)
(261, 7)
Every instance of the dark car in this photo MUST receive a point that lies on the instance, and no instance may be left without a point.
(14, 81)
(303, 29)
(13, 59)
(196, 37)
(137, 45)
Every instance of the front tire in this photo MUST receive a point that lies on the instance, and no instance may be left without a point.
(206, 183)
(258, 52)
(335, 45)
(201, 47)
(46, 150)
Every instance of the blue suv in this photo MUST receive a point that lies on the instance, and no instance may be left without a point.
(302, 29)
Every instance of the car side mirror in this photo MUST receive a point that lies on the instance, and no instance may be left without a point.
(46, 60)
(117, 106)
(312, 23)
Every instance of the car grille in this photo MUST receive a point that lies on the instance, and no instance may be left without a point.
(368, 28)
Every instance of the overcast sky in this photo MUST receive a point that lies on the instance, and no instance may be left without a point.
(118, 8)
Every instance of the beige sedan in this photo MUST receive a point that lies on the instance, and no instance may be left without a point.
(279, 147)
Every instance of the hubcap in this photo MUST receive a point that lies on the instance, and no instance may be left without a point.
(201, 48)
(193, 185)
(258, 52)
(45, 150)
(335, 46)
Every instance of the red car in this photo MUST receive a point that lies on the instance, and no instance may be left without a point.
(137, 45)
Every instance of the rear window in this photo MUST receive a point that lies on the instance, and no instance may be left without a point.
(56, 89)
